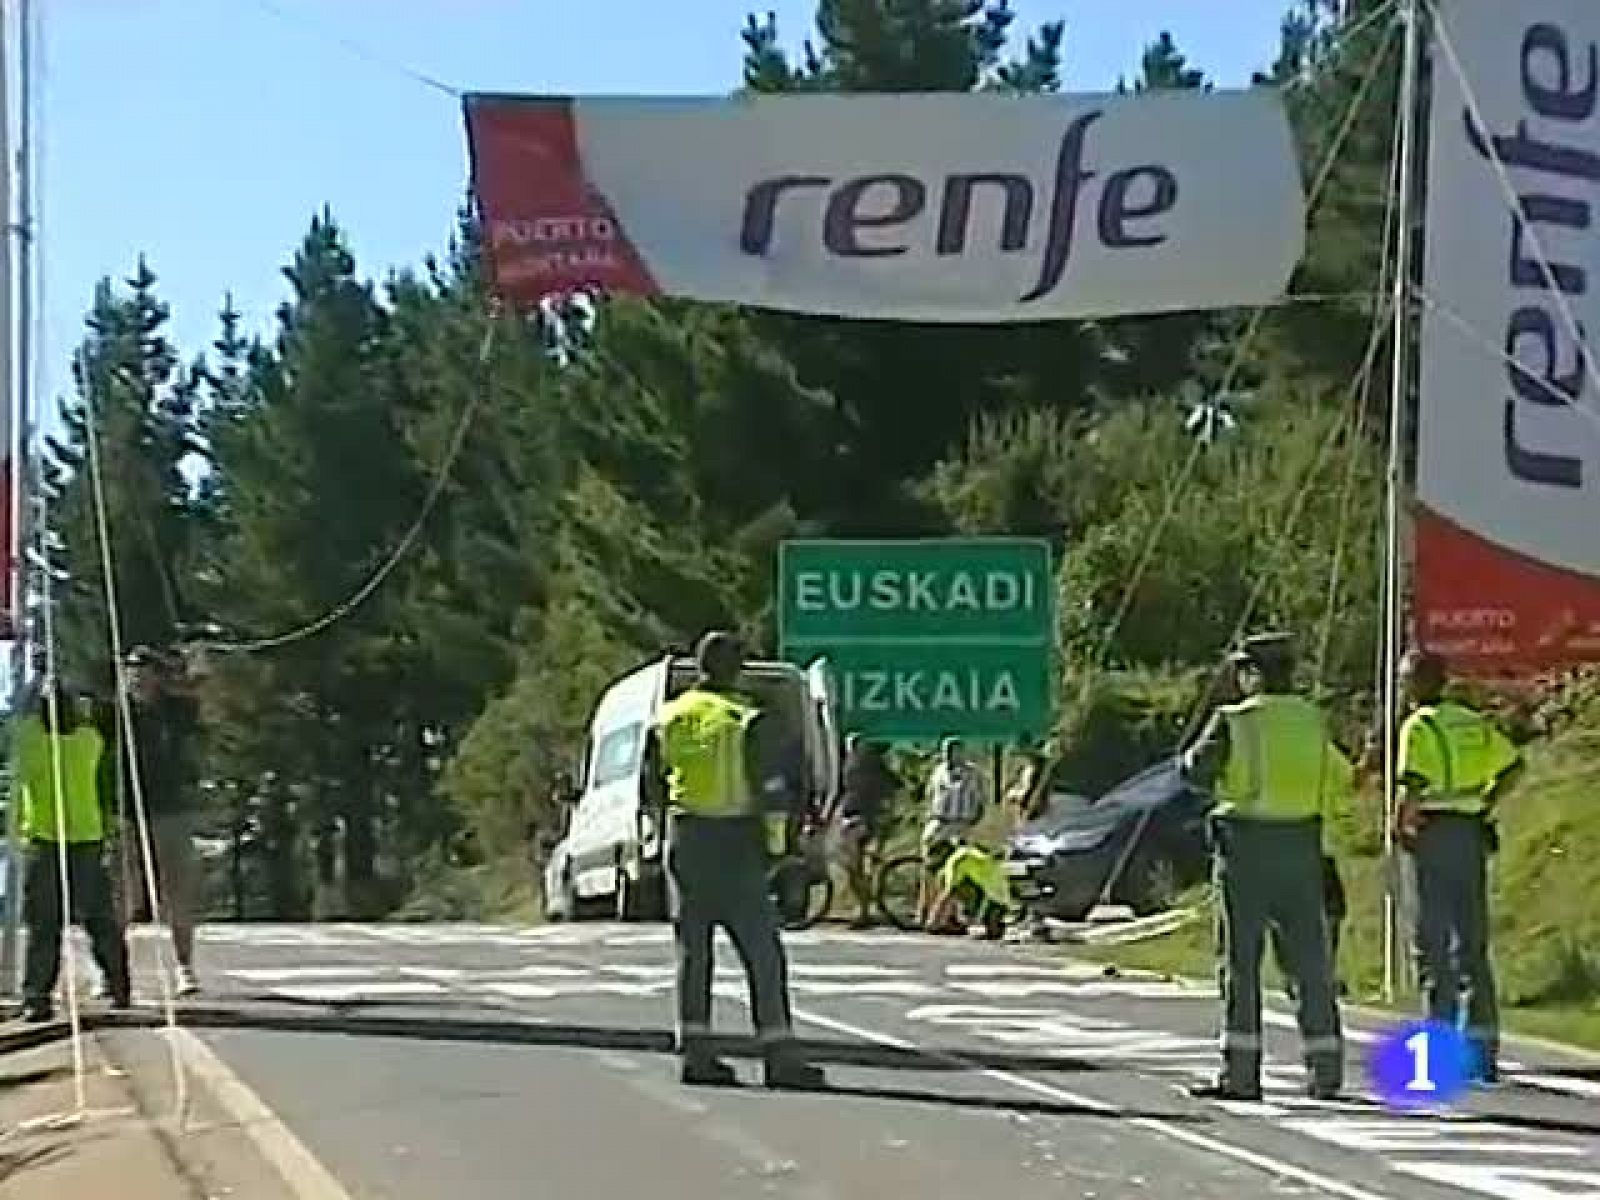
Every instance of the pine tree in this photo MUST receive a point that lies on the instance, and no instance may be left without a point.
(131, 395)
(1152, 356)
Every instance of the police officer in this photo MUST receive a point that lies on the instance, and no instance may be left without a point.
(1454, 765)
(705, 766)
(61, 767)
(1272, 770)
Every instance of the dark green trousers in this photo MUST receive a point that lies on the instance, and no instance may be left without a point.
(1269, 874)
(1452, 863)
(717, 871)
(92, 907)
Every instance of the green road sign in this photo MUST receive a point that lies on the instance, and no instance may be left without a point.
(926, 638)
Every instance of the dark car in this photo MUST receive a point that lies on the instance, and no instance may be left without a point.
(1060, 861)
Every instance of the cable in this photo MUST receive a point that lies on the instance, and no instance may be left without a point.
(1510, 193)
(356, 49)
(1494, 348)
(1355, 410)
(1398, 169)
(441, 479)
(1353, 417)
(63, 872)
(1245, 344)
(128, 746)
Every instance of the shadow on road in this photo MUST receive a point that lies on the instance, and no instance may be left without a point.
(16, 1079)
(1030, 1108)
(824, 1051)
(14, 1163)
(444, 1027)
(1504, 1109)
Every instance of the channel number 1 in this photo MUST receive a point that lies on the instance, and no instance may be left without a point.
(1420, 1044)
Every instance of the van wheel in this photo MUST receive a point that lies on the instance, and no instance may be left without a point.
(629, 906)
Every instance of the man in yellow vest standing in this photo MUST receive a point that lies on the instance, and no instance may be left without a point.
(1454, 766)
(1273, 771)
(705, 767)
(61, 765)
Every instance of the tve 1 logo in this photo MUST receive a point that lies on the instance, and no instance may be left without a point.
(859, 213)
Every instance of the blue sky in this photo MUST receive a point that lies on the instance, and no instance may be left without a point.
(205, 133)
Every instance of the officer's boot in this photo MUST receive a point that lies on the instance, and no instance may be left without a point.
(700, 1065)
(1484, 1062)
(1325, 1084)
(1240, 1078)
(707, 1071)
(788, 1070)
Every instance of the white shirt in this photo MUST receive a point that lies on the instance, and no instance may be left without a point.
(954, 794)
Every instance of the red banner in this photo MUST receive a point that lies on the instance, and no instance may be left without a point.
(1488, 610)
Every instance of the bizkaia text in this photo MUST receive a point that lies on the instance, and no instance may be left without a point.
(1129, 202)
(1562, 88)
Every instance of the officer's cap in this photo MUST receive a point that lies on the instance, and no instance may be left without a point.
(719, 652)
(1263, 649)
(1423, 664)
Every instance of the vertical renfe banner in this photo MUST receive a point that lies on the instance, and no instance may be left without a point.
(1508, 473)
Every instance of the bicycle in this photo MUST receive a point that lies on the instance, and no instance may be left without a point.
(904, 880)
(801, 881)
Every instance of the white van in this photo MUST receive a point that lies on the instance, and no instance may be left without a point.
(611, 857)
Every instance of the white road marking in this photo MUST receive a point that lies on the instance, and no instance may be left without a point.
(1587, 1088)
(290, 974)
(1508, 1182)
(1156, 1125)
(654, 937)
(544, 971)
(1069, 970)
(865, 987)
(302, 1174)
(521, 991)
(334, 992)
(1370, 1135)
(1001, 989)
(847, 970)
(600, 987)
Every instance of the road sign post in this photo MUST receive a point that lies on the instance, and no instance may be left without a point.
(927, 638)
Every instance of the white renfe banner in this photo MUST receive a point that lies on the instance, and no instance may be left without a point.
(955, 208)
(1508, 520)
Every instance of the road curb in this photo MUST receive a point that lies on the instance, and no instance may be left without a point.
(31, 1037)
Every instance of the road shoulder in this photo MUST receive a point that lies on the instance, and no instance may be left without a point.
(220, 1135)
(50, 1148)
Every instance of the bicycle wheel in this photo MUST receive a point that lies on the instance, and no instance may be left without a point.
(801, 896)
(812, 905)
(899, 887)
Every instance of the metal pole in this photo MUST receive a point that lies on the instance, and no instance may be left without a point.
(1394, 480)
(13, 374)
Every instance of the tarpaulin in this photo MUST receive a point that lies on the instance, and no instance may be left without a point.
(1508, 476)
(978, 208)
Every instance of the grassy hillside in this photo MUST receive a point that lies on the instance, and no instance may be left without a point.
(1546, 883)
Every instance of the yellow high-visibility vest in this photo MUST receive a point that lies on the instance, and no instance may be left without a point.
(1458, 753)
(1281, 764)
(702, 736)
(80, 752)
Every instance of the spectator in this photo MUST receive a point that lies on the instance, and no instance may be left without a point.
(165, 718)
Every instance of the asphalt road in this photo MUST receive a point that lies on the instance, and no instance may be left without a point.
(418, 1062)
